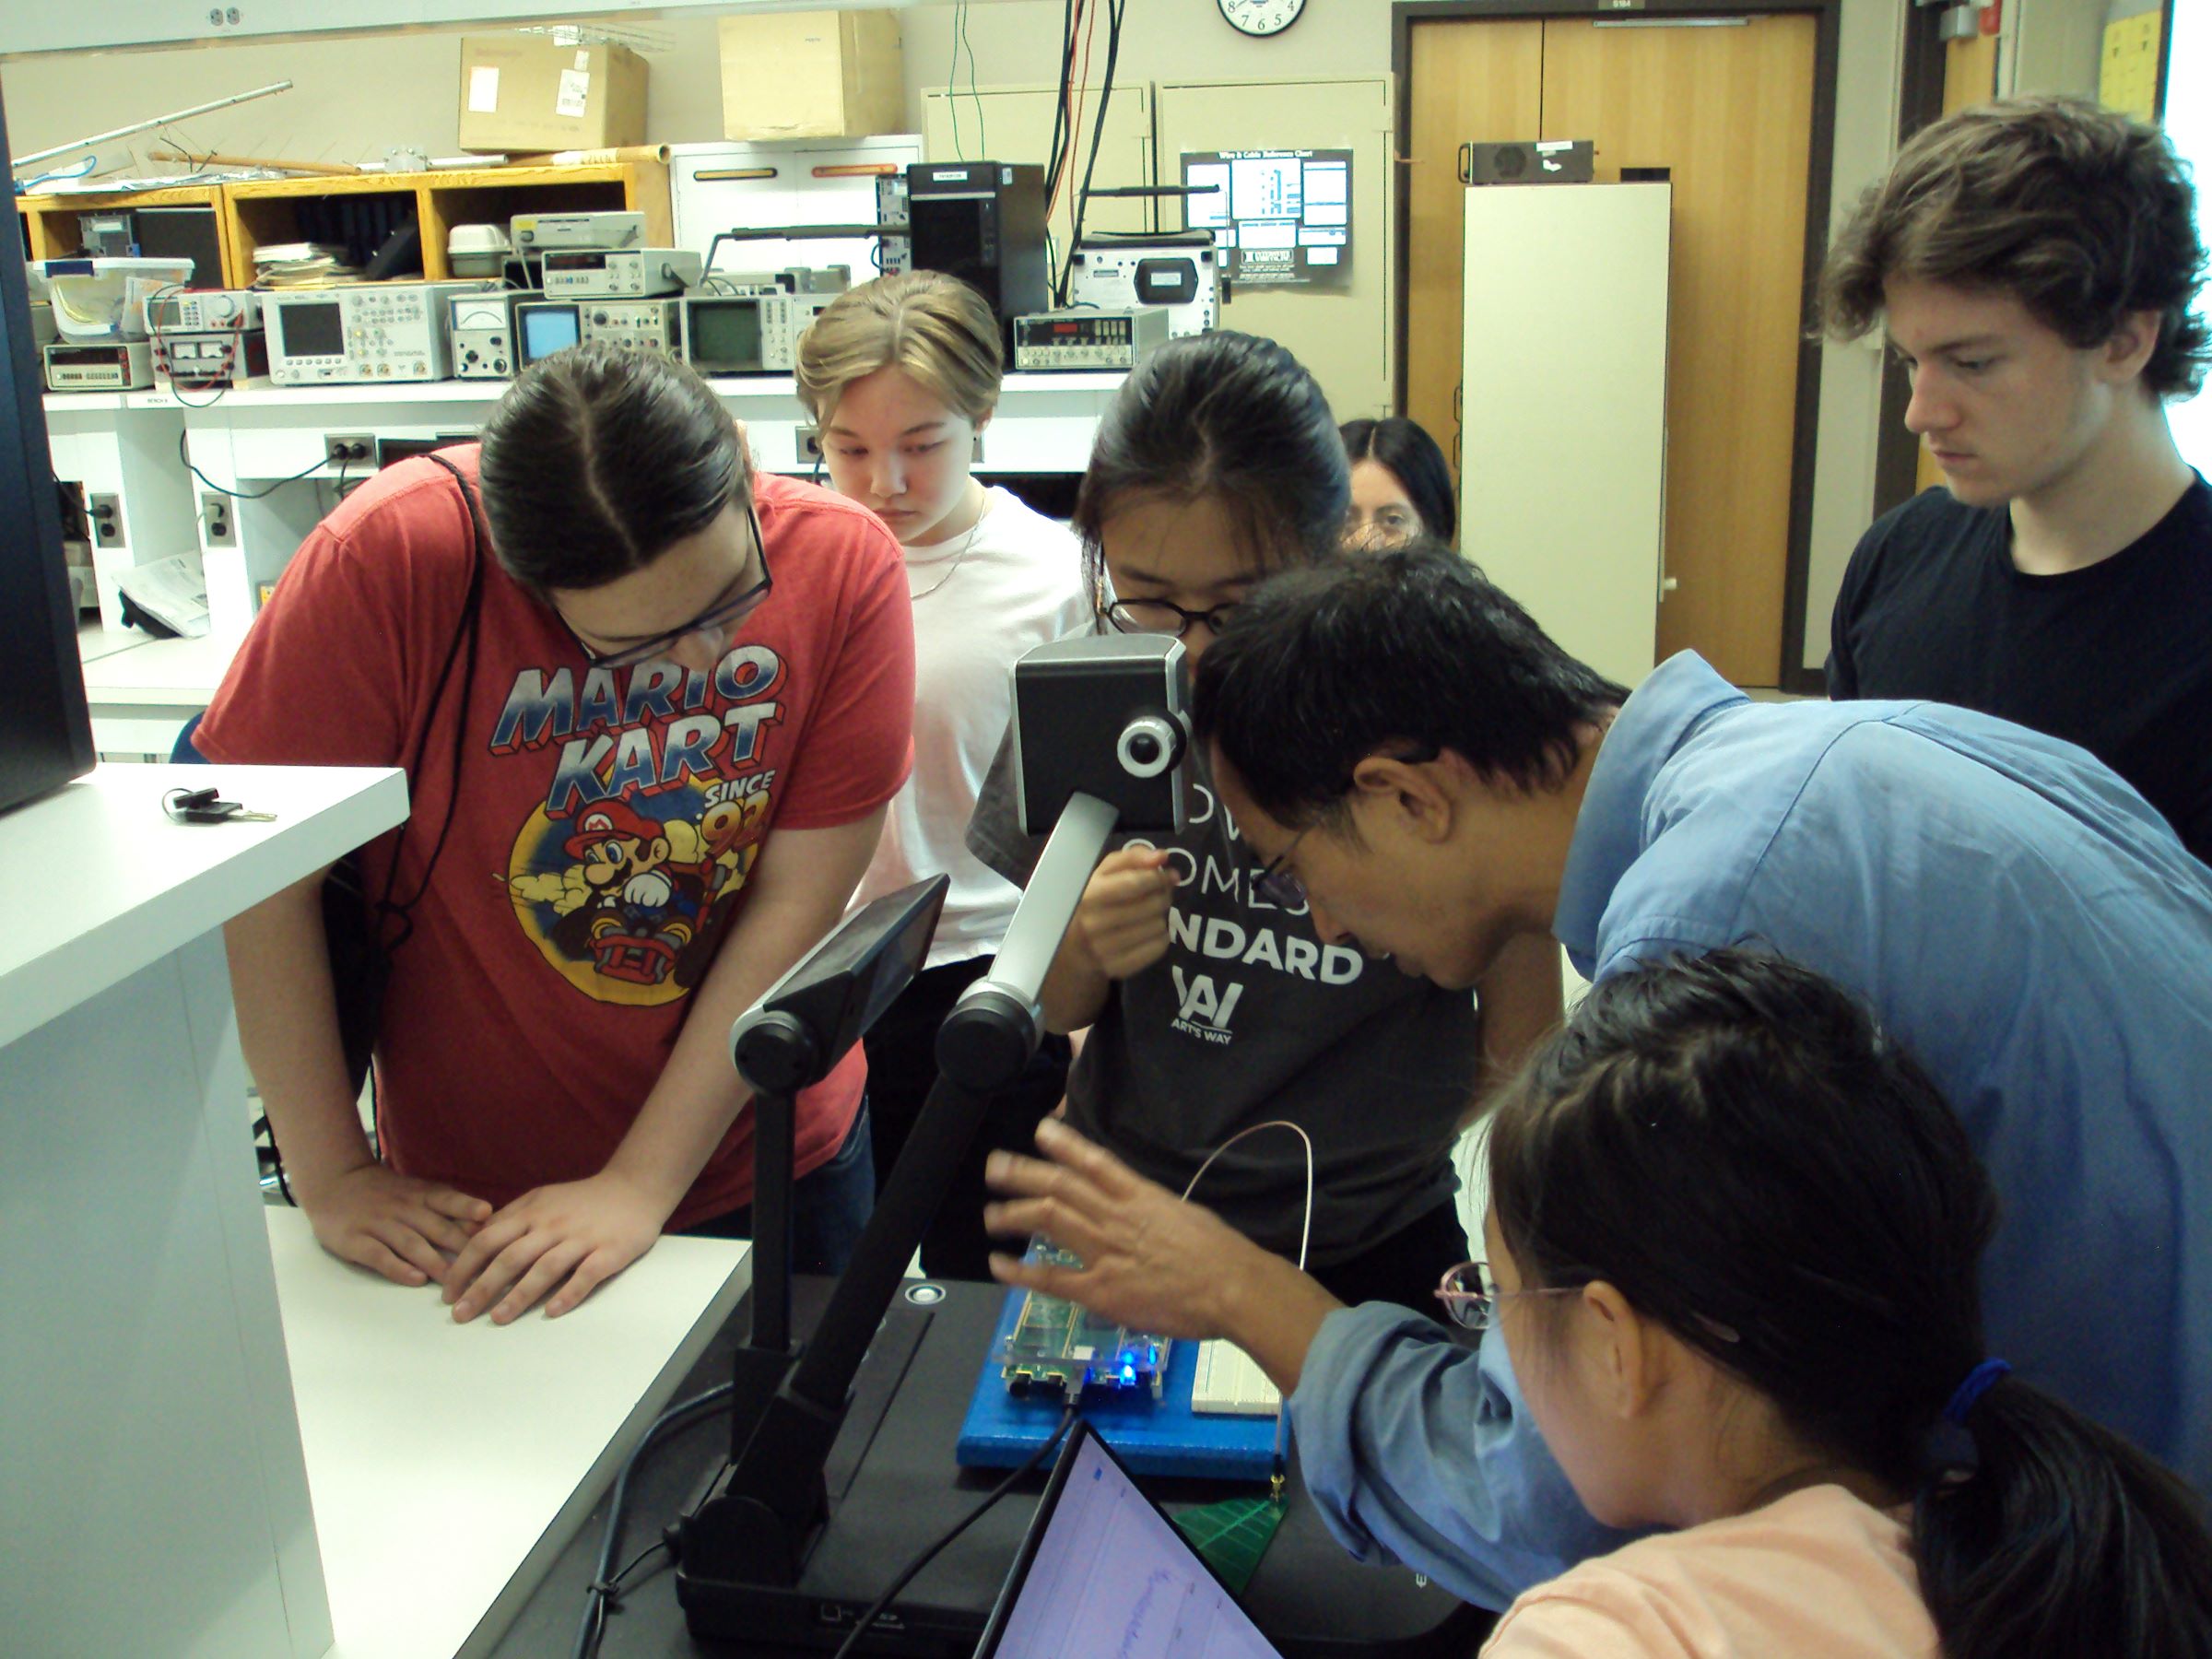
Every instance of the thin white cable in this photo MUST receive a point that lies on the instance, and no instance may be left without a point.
(1305, 1234)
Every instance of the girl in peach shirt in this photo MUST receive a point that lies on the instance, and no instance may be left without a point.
(1733, 1245)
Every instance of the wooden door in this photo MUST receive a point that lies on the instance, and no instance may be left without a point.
(1727, 111)
(1725, 107)
(1342, 335)
(1480, 82)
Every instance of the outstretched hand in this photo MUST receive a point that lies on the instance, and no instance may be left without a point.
(1151, 1261)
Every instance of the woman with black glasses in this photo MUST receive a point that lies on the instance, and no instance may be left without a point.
(652, 707)
(1212, 1005)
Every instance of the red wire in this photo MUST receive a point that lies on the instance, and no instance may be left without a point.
(1083, 16)
(1068, 96)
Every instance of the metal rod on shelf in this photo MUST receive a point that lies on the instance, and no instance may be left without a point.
(124, 132)
(341, 169)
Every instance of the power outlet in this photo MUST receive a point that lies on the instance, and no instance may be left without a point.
(104, 514)
(352, 450)
(215, 515)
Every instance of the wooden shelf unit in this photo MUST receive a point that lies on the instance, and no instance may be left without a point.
(50, 228)
(257, 212)
(251, 213)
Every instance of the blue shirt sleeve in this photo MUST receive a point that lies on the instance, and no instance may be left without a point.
(1418, 1451)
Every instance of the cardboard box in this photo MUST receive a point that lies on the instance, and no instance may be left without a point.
(812, 75)
(522, 94)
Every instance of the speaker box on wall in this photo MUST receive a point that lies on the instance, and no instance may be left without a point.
(1552, 162)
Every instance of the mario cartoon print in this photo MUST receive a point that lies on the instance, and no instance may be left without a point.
(727, 839)
(628, 870)
(630, 906)
(638, 910)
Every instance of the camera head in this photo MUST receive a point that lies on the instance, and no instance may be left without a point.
(1102, 715)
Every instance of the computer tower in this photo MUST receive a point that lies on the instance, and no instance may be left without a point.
(45, 729)
(983, 222)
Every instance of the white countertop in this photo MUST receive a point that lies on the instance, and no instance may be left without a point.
(261, 393)
(118, 886)
(138, 669)
(450, 1465)
(95, 641)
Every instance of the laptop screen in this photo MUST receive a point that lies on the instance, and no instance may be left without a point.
(1104, 1574)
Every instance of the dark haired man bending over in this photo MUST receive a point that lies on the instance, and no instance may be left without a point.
(1396, 738)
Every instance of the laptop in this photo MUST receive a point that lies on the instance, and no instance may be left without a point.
(1104, 1574)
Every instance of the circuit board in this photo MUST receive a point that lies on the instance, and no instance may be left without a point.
(1057, 1348)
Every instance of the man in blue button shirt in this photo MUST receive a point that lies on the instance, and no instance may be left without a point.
(1398, 738)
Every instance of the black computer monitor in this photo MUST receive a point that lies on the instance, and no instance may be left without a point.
(45, 729)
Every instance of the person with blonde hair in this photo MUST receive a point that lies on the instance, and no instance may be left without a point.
(902, 376)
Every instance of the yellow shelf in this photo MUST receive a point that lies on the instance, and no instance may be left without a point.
(259, 211)
(254, 212)
(50, 229)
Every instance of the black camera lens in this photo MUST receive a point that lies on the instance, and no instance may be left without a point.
(1148, 746)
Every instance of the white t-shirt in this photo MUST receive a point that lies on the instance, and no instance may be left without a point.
(1018, 585)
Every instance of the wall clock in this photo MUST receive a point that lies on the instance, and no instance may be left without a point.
(1261, 18)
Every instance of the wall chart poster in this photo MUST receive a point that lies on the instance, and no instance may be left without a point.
(1283, 218)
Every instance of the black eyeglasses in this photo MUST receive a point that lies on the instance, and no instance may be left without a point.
(1471, 1296)
(1159, 617)
(717, 618)
(1283, 887)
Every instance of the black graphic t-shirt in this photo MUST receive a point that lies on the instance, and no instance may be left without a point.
(1251, 1017)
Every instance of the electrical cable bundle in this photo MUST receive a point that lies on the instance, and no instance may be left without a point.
(1115, 10)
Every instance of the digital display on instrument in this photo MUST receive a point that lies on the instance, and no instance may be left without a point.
(546, 329)
(313, 330)
(726, 335)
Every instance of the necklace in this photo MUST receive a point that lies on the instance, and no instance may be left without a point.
(956, 560)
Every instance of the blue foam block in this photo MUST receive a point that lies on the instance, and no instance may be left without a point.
(1162, 1437)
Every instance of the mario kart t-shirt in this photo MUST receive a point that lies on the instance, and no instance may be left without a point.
(608, 824)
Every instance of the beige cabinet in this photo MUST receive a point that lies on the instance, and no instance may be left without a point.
(1563, 447)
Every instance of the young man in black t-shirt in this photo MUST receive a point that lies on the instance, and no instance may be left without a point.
(2034, 262)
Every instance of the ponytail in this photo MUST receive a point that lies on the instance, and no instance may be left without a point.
(2062, 1541)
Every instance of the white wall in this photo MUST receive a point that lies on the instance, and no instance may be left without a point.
(355, 96)
(352, 96)
(1163, 41)
(1869, 61)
